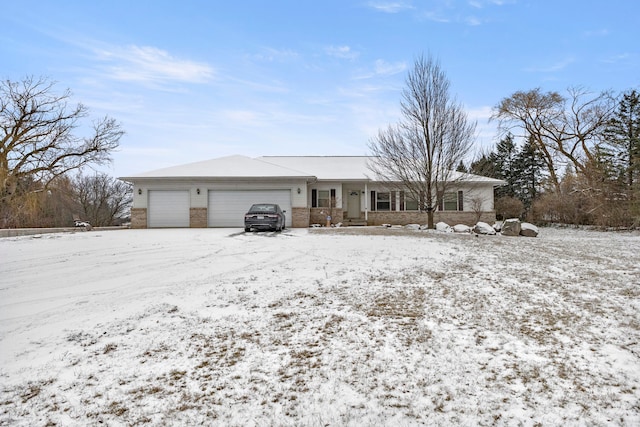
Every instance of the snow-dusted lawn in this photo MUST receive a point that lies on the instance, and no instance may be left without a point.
(361, 327)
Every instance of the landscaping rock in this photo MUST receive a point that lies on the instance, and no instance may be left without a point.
(412, 226)
(461, 228)
(483, 228)
(443, 226)
(528, 230)
(511, 227)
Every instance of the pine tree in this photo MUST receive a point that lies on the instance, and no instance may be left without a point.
(528, 168)
(484, 166)
(504, 160)
(623, 138)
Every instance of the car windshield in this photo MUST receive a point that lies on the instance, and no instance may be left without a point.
(263, 209)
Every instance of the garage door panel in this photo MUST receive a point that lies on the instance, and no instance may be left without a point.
(227, 208)
(168, 208)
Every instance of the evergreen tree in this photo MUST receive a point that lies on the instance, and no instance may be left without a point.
(623, 138)
(528, 168)
(484, 166)
(504, 161)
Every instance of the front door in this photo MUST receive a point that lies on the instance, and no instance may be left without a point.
(353, 204)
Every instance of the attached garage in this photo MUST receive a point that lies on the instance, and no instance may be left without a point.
(227, 207)
(168, 208)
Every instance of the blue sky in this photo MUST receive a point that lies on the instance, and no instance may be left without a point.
(193, 80)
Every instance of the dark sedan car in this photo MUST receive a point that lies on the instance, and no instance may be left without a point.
(264, 216)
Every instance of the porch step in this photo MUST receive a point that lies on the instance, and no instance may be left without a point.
(354, 222)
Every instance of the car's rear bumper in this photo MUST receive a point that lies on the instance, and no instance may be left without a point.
(260, 224)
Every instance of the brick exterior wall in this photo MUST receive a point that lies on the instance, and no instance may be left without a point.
(467, 218)
(138, 217)
(451, 218)
(303, 217)
(299, 217)
(316, 217)
(198, 217)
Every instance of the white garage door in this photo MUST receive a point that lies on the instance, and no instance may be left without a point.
(168, 208)
(227, 208)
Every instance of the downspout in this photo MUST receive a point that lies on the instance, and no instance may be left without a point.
(366, 203)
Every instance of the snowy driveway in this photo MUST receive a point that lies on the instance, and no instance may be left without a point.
(319, 327)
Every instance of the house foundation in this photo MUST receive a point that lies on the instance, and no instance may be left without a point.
(198, 217)
(138, 217)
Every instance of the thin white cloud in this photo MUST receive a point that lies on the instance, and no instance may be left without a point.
(342, 52)
(269, 117)
(382, 68)
(269, 86)
(480, 114)
(620, 58)
(436, 16)
(269, 54)
(153, 65)
(558, 66)
(473, 21)
(390, 6)
(244, 116)
(482, 3)
(452, 12)
(387, 69)
(602, 32)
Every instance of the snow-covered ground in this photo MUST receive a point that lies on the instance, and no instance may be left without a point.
(359, 327)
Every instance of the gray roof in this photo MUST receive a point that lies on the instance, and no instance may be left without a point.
(224, 167)
(325, 168)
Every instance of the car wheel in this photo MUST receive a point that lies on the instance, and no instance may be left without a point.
(247, 229)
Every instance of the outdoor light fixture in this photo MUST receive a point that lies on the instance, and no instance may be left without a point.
(140, 191)
(299, 190)
(198, 190)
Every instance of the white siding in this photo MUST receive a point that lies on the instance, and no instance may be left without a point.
(168, 208)
(227, 207)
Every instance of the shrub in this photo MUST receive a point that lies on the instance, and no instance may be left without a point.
(508, 207)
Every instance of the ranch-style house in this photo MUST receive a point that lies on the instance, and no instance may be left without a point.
(217, 193)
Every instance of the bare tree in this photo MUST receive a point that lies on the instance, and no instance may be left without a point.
(101, 198)
(37, 137)
(563, 129)
(420, 153)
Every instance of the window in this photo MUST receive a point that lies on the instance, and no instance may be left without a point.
(392, 201)
(383, 201)
(380, 201)
(453, 201)
(323, 198)
(407, 203)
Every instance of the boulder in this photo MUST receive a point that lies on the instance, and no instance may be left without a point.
(461, 228)
(528, 230)
(511, 227)
(412, 226)
(483, 228)
(443, 226)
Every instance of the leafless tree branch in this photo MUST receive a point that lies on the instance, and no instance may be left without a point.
(419, 153)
